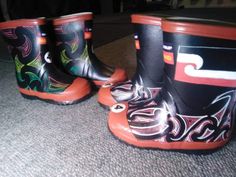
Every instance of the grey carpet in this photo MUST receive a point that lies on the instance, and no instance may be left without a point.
(43, 140)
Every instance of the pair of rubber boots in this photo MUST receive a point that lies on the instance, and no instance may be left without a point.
(183, 99)
(66, 78)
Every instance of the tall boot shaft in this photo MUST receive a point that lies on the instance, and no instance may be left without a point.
(148, 78)
(74, 44)
(27, 44)
(74, 36)
(148, 42)
(199, 62)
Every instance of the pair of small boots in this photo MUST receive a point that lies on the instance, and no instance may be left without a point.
(183, 94)
(65, 78)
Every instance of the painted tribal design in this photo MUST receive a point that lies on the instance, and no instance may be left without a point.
(73, 47)
(192, 67)
(157, 122)
(122, 91)
(133, 92)
(30, 60)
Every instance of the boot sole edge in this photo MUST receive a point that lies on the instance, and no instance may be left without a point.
(185, 151)
(63, 103)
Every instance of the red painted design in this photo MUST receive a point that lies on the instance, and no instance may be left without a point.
(168, 57)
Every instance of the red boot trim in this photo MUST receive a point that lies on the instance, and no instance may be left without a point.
(21, 22)
(147, 20)
(200, 27)
(73, 18)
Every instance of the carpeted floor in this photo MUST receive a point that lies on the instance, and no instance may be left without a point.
(45, 140)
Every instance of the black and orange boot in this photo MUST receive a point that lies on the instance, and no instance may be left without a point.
(147, 81)
(36, 75)
(74, 45)
(195, 108)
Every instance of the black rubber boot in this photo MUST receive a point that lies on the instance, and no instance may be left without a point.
(74, 44)
(36, 75)
(195, 108)
(147, 81)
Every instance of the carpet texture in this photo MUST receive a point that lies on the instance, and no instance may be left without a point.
(38, 139)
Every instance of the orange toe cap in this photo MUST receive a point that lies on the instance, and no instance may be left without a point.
(119, 75)
(118, 123)
(119, 127)
(78, 89)
(105, 97)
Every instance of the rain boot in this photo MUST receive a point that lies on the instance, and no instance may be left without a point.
(147, 81)
(36, 75)
(194, 111)
(74, 45)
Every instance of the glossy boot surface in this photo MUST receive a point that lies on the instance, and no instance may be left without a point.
(195, 110)
(147, 81)
(74, 45)
(36, 75)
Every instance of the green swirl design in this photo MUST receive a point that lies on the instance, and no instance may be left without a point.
(64, 59)
(36, 63)
(74, 47)
(56, 86)
(83, 57)
(19, 66)
(33, 77)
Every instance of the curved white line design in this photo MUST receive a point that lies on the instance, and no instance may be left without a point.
(188, 69)
(190, 58)
(197, 60)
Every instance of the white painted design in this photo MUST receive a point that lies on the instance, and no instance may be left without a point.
(117, 108)
(195, 71)
(166, 47)
(47, 57)
(106, 85)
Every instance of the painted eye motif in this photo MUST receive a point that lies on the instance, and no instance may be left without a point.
(117, 108)
(47, 57)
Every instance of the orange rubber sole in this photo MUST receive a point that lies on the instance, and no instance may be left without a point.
(185, 146)
(105, 98)
(73, 94)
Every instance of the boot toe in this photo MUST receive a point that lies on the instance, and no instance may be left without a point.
(105, 98)
(119, 75)
(118, 123)
(79, 89)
